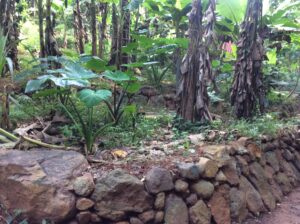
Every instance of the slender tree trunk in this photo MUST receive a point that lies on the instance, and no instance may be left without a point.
(125, 32)
(103, 8)
(115, 35)
(93, 27)
(247, 87)
(78, 28)
(50, 41)
(41, 29)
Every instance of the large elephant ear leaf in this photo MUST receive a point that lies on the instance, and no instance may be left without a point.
(92, 98)
(117, 76)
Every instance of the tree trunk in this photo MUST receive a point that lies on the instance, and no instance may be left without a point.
(50, 42)
(102, 28)
(196, 70)
(78, 28)
(93, 28)
(247, 87)
(125, 32)
(114, 59)
(41, 29)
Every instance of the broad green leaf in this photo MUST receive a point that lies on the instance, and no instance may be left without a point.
(232, 9)
(92, 98)
(117, 76)
(133, 87)
(133, 5)
(272, 57)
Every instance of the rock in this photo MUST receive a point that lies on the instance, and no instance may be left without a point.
(200, 213)
(189, 171)
(259, 180)
(208, 168)
(176, 210)
(134, 220)
(272, 160)
(203, 189)
(160, 201)
(197, 139)
(238, 205)
(158, 180)
(122, 222)
(231, 173)
(84, 217)
(220, 205)
(112, 215)
(238, 148)
(288, 155)
(84, 185)
(253, 198)
(283, 182)
(221, 177)
(120, 192)
(192, 199)
(147, 216)
(159, 217)
(243, 165)
(42, 180)
(254, 150)
(95, 218)
(84, 204)
(181, 186)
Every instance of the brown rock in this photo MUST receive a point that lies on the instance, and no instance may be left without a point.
(120, 192)
(176, 210)
(200, 213)
(84, 204)
(181, 186)
(238, 205)
(243, 164)
(272, 160)
(283, 182)
(158, 180)
(203, 189)
(134, 220)
(42, 179)
(231, 173)
(147, 216)
(253, 199)
(84, 217)
(160, 201)
(220, 205)
(95, 218)
(84, 185)
(159, 217)
(254, 150)
(208, 168)
(259, 180)
(122, 222)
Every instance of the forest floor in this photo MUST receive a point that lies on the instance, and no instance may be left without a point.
(288, 212)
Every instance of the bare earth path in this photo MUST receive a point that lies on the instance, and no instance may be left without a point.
(288, 212)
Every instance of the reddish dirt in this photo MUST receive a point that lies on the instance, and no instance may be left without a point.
(288, 212)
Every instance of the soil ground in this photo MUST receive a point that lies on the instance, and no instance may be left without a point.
(288, 212)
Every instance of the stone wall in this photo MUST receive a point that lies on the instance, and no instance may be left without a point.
(229, 184)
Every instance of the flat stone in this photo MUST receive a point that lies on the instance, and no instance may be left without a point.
(220, 205)
(238, 205)
(158, 180)
(283, 182)
(203, 189)
(200, 213)
(134, 220)
(84, 204)
(231, 173)
(253, 198)
(191, 199)
(272, 160)
(176, 210)
(208, 168)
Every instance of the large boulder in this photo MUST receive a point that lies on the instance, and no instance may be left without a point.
(176, 210)
(120, 192)
(38, 182)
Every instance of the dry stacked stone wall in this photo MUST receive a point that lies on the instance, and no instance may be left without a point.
(229, 184)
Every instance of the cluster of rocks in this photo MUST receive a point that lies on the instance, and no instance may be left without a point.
(229, 184)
